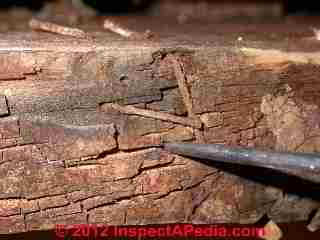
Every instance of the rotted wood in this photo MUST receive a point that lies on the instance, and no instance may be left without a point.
(68, 155)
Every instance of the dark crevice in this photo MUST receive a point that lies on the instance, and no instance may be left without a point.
(8, 107)
(106, 153)
(159, 131)
(197, 205)
(168, 88)
(161, 197)
(312, 214)
(140, 148)
(54, 207)
(125, 218)
(197, 184)
(116, 201)
(22, 145)
(37, 198)
(263, 220)
(134, 100)
(158, 166)
(112, 202)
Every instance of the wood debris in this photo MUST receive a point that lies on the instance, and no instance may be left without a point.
(40, 25)
(314, 225)
(184, 90)
(125, 32)
(272, 231)
(181, 79)
(191, 122)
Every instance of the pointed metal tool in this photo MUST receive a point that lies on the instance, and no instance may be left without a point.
(303, 165)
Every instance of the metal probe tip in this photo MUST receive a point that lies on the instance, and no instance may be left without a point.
(302, 165)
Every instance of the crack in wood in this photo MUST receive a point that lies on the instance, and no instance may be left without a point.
(211, 79)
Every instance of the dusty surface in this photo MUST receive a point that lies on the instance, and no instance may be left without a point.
(66, 159)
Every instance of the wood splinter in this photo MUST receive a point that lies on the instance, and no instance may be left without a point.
(125, 32)
(39, 25)
(190, 122)
(185, 93)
